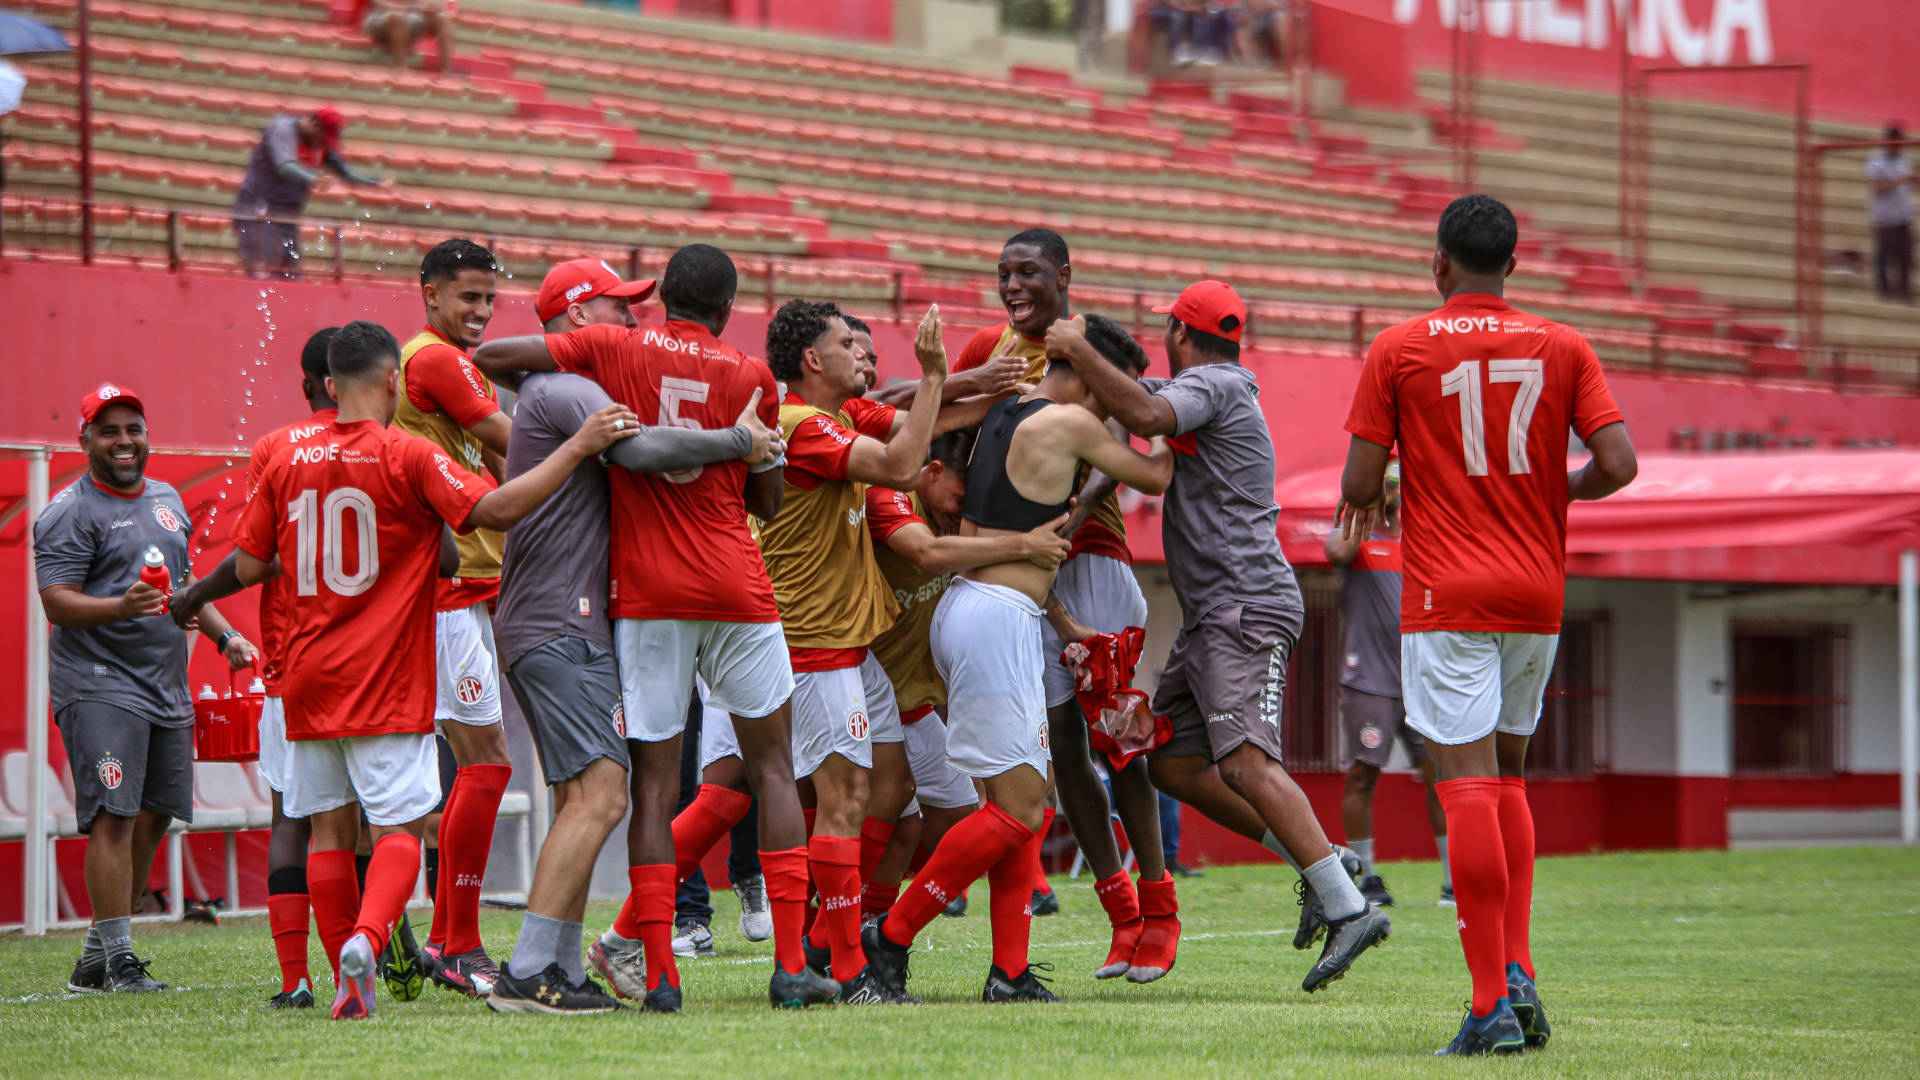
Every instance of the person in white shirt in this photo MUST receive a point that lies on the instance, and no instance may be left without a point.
(1890, 210)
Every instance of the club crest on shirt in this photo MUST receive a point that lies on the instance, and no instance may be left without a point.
(110, 772)
(620, 720)
(167, 519)
(468, 690)
(857, 724)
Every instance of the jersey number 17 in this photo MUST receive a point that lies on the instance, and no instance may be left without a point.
(1463, 382)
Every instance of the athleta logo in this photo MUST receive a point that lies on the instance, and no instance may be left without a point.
(468, 881)
(839, 903)
(109, 769)
(857, 724)
(468, 690)
(165, 516)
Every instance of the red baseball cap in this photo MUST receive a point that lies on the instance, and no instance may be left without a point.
(104, 395)
(331, 124)
(1211, 307)
(579, 280)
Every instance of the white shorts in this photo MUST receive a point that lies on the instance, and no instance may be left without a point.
(937, 782)
(987, 647)
(843, 711)
(394, 778)
(467, 684)
(1102, 593)
(1461, 687)
(717, 739)
(744, 666)
(273, 745)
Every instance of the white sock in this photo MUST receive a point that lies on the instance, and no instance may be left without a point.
(1272, 843)
(1339, 898)
(1446, 868)
(1364, 849)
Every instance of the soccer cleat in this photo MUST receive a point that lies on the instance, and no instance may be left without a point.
(956, 908)
(549, 992)
(354, 1001)
(819, 957)
(1375, 890)
(622, 962)
(692, 939)
(1126, 937)
(756, 919)
(1030, 986)
(89, 976)
(887, 961)
(1045, 902)
(430, 955)
(865, 989)
(801, 989)
(1498, 1032)
(1446, 896)
(127, 974)
(1159, 946)
(1312, 922)
(470, 973)
(664, 998)
(1346, 939)
(1525, 998)
(300, 997)
(402, 966)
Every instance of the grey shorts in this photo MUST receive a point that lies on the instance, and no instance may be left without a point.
(123, 763)
(1226, 681)
(570, 694)
(1368, 725)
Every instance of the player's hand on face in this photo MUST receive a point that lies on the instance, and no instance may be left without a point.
(928, 346)
(606, 427)
(1064, 336)
(240, 653)
(767, 445)
(141, 600)
(1046, 547)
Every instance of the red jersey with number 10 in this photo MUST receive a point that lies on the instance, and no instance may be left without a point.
(1480, 396)
(354, 515)
(681, 547)
(276, 593)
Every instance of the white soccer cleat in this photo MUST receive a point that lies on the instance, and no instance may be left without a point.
(756, 920)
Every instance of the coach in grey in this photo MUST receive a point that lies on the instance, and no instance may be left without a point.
(118, 670)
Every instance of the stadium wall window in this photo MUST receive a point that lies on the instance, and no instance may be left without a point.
(1789, 696)
(1574, 714)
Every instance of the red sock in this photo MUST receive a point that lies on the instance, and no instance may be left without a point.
(336, 901)
(711, 814)
(1010, 898)
(876, 896)
(1039, 870)
(437, 931)
(1123, 913)
(1479, 859)
(786, 874)
(1516, 829)
(287, 919)
(652, 895)
(1160, 916)
(968, 850)
(835, 862)
(466, 839)
(390, 877)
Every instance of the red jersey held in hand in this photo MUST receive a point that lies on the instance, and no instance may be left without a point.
(1479, 397)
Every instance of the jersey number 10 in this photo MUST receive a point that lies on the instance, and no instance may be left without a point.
(310, 518)
(1464, 382)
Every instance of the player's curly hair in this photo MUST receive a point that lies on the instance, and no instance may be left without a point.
(793, 330)
(1479, 233)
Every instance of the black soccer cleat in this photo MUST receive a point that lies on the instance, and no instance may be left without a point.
(1313, 922)
(1030, 986)
(664, 998)
(401, 965)
(801, 989)
(1346, 939)
(1375, 890)
(89, 975)
(300, 997)
(550, 993)
(1525, 999)
(1044, 903)
(127, 974)
(866, 989)
(887, 961)
(819, 957)
(956, 908)
(471, 973)
(1498, 1032)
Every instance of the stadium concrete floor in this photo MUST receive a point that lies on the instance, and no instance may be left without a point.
(1801, 963)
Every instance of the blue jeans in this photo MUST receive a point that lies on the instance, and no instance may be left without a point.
(1169, 828)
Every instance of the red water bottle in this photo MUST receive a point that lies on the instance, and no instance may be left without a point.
(154, 572)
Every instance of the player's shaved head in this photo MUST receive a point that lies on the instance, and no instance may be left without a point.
(698, 286)
(1479, 234)
(1051, 245)
(361, 351)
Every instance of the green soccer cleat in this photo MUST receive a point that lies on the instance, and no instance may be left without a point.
(401, 965)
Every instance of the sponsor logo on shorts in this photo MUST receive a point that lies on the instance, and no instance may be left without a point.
(620, 720)
(1220, 718)
(1270, 690)
(168, 520)
(110, 773)
(857, 724)
(1371, 738)
(468, 690)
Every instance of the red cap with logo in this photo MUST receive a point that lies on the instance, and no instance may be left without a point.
(104, 395)
(1211, 307)
(578, 280)
(331, 124)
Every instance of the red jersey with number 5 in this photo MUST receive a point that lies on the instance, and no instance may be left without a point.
(1479, 397)
(681, 546)
(354, 515)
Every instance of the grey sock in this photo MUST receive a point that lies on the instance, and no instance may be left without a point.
(1446, 868)
(116, 936)
(91, 950)
(1272, 843)
(537, 946)
(570, 961)
(1329, 881)
(1364, 849)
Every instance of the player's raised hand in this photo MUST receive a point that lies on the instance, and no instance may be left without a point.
(141, 600)
(767, 444)
(1046, 548)
(604, 428)
(999, 375)
(1065, 336)
(928, 346)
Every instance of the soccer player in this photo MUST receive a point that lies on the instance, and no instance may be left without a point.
(1240, 606)
(354, 518)
(1029, 459)
(556, 640)
(690, 594)
(1479, 397)
(118, 671)
(1371, 713)
(446, 401)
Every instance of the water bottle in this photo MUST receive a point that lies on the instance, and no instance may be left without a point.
(206, 692)
(154, 572)
(257, 687)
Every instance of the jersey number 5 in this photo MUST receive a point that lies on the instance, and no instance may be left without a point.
(311, 517)
(675, 392)
(1464, 382)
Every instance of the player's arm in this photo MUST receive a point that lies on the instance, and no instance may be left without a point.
(63, 550)
(1613, 467)
(661, 448)
(1069, 628)
(1362, 484)
(1089, 440)
(999, 376)
(449, 555)
(507, 359)
(766, 490)
(896, 462)
(233, 645)
(1139, 411)
(68, 607)
(1044, 547)
(504, 506)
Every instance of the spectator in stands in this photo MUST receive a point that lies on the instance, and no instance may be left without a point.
(1890, 208)
(1172, 21)
(280, 177)
(1267, 29)
(398, 25)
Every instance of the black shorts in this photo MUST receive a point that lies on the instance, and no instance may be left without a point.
(569, 691)
(1226, 681)
(123, 763)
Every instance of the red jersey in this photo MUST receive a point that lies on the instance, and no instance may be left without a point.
(1480, 396)
(276, 593)
(354, 514)
(681, 546)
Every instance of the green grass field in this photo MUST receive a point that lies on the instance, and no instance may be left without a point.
(1772, 963)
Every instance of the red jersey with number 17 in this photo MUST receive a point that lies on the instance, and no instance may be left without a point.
(354, 515)
(681, 546)
(1480, 397)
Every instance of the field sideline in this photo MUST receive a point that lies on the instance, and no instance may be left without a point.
(1764, 963)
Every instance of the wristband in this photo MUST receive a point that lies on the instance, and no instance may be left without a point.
(226, 638)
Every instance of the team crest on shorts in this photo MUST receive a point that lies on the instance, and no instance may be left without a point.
(468, 690)
(1046, 740)
(164, 514)
(110, 773)
(1371, 737)
(857, 724)
(620, 720)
